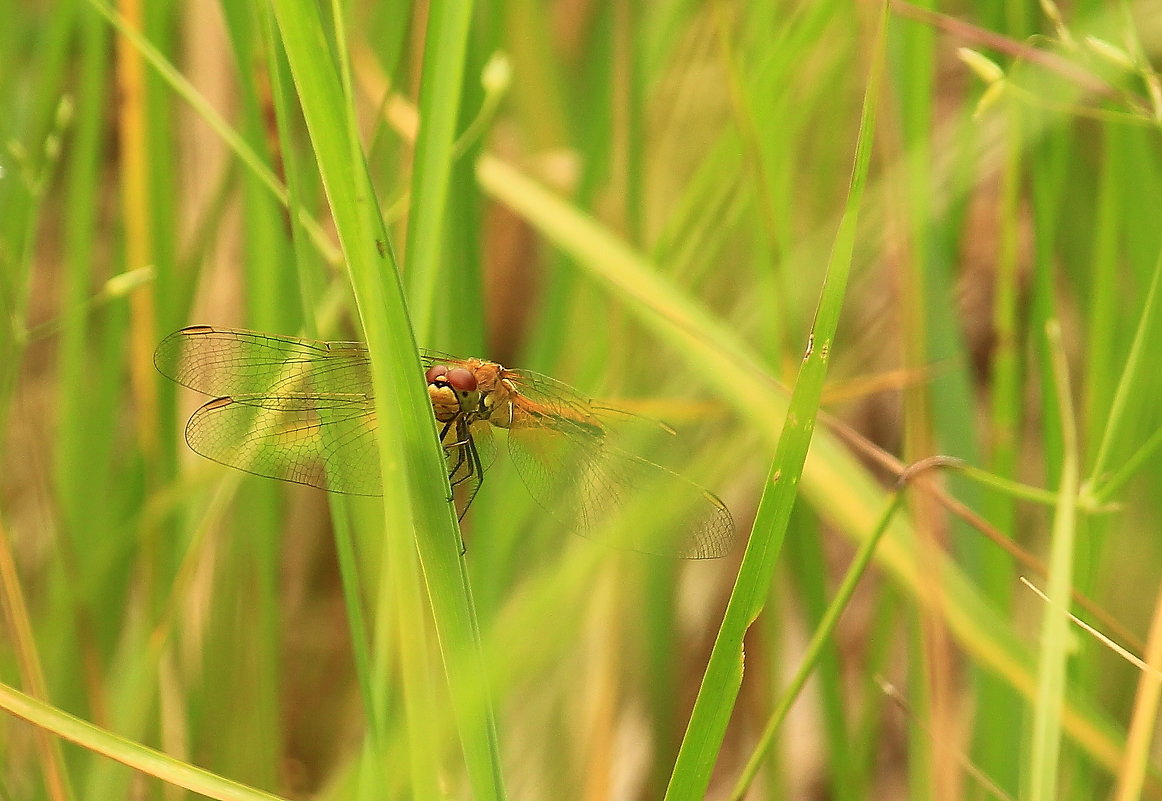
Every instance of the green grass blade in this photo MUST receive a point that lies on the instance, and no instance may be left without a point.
(813, 653)
(1055, 627)
(1129, 383)
(719, 690)
(412, 465)
(127, 752)
(445, 54)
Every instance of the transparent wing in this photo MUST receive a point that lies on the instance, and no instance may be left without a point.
(562, 448)
(584, 483)
(223, 361)
(326, 441)
(558, 399)
(291, 409)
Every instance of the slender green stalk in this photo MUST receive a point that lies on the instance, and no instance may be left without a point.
(1128, 384)
(1051, 673)
(443, 74)
(412, 464)
(814, 650)
(127, 752)
(1013, 488)
(720, 685)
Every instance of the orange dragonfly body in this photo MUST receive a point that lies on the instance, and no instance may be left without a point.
(303, 411)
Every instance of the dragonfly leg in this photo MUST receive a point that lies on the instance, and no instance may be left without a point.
(467, 469)
(460, 459)
(475, 472)
(462, 465)
(466, 466)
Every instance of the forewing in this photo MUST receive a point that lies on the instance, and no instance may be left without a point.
(326, 441)
(557, 398)
(223, 361)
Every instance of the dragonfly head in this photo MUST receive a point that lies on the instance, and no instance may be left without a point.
(452, 390)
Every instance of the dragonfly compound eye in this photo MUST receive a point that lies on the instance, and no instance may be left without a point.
(435, 371)
(461, 380)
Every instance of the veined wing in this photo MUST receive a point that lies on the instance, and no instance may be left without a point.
(224, 361)
(562, 448)
(324, 440)
(552, 402)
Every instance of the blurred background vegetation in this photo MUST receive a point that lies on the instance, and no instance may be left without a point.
(641, 200)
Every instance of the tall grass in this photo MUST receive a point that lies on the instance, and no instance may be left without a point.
(640, 201)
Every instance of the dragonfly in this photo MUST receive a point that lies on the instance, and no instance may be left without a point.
(303, 411)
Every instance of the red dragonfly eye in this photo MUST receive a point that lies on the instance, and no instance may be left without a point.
(458, 378)
(461, 379)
